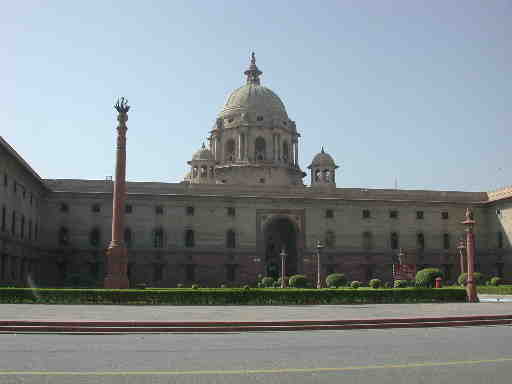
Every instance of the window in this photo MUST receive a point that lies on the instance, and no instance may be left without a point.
(260, 149)
(189, 211)
(330, 239)
(286, 152)
(420, 241)
(230, 239)
(370, 272)
(446, 241)
(394, 240)
(6, 183)
(366, 214)
(15, 186)
(367, 240)
(189, 238)
(230, 150)
(158, 238)
(63, 207)
(262, 181)
(36, 233)
(230, 272)
(128, 208)
(22, 229)
(94, 269)
(4, 218)
(444, 215)
(30, 229)
(190, 272)
(329, 213)
(159, 210)
(94, 237)
(13, 223)
(63, 236)
(393, 214)
(419, 215)
(231, 211)
(500, 239)
(259, 118)
(96, 208)
(128, 237)
(23, 193)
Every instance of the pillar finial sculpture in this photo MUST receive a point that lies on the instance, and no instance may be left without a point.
(469, 223)
(117, 256)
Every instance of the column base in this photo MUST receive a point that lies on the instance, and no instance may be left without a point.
(472, 293)
(116, 282)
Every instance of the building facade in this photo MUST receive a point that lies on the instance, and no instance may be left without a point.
(242, 202)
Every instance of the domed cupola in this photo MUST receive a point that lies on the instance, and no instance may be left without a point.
(253, 140)
(202, 167)
(323, 170)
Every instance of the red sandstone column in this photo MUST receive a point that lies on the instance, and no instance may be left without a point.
(117, 256)
(470, 254)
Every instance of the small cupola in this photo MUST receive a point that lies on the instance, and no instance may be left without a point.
(323, 170)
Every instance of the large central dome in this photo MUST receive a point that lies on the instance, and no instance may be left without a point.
(254, 98)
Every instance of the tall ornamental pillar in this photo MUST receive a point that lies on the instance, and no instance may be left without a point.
(469, 223)
(117, 256)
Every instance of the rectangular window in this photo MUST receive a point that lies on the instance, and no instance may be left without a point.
(231, 211)
(13, 223)
(96, 208)
(22, 230)
(189, 211)
(329, 213)
(444, 215)
(393, 214)
(366, 214)
(419, 215)
(159, 210)
(4, 218)
(128, 208)
(6, 183)
(15, 187)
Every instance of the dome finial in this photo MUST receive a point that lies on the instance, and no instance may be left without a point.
(323, 149)
(253, 73)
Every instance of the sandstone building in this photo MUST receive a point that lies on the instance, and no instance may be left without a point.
(242, 202)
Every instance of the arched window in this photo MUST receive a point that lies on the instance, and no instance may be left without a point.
(420, 241)
(286, 152)
(212, 172)
(128, 237)
(394, 240)
(446, 241)
(189, 238)
(317, 175)
(367, 240)
(230, 150)
(63, 236)
(158, 238)
(260, 149)
(230, 239)
(94, 237)
(330, 239)
(326, 175)
(194, 172)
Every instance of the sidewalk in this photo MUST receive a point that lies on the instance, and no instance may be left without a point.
(246, 313)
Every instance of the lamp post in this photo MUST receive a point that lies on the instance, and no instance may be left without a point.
(469, 223)
(460, 248)
(283, 264)
(319, 247)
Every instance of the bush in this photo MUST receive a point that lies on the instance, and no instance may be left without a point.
(495, 281)
(195, 286)
(477, 276)
(298, 281)
(426, 277)
(267, 282)
(401, 284)
(375, 283)
(223, 286)
(335, 280)
(179, 285)
(246, 287)
(355, 284)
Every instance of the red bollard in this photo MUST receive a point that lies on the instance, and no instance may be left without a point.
(439, 282)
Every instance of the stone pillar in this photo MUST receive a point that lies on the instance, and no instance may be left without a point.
(117, 256)
(296, 152)
(274, 147)
(470, 254)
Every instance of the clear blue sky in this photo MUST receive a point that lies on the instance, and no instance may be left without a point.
(414, 90)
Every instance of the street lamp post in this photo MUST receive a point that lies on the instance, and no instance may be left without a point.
(469, 223)
(283, 265)
(319, 247)
(461, 248)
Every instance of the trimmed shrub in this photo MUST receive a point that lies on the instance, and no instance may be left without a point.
(335, 280)
(246, 287)
(223, 286)
(375, 283)
(267, 282)
(179, 285)
(495, 281)
(298, 281)
(477, 276)
(401, 284)
(195, 286)
(426, 277)
(355, 284)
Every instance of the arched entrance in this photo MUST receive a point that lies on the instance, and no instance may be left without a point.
(280, 233)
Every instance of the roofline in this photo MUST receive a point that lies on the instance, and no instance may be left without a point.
(20, 159)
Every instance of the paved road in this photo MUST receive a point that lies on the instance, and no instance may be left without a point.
(244, 313)
(436, 355)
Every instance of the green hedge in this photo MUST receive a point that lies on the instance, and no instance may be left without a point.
(230, 296)
(492, 290)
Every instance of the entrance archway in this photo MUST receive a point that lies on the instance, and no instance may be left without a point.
(280, 233)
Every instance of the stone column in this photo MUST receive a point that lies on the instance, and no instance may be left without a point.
(117, 256)
(296, 152)
(470, 254)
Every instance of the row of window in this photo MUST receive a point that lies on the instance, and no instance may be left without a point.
(17, 186)
(18, 222)
(159, 209)
(393, 214)
(158, 236)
